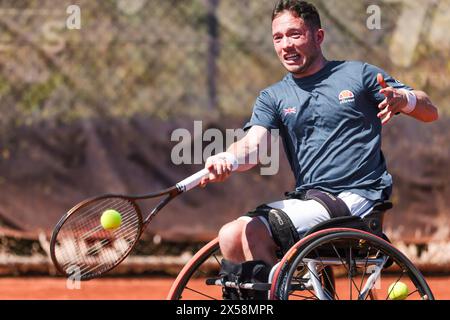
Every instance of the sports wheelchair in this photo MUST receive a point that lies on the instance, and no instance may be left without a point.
(344, 258)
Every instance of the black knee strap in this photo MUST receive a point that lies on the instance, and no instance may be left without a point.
(283, 230)
(335, 206)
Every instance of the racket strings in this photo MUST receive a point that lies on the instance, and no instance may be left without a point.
(98, 254)
(86, 213)
(84, 247)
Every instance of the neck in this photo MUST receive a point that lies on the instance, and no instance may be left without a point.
(318, 64)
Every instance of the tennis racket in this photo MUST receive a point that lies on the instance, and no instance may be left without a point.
(81, 248)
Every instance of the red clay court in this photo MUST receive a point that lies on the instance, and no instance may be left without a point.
(125, 288)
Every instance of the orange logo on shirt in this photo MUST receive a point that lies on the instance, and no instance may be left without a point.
(346, 96)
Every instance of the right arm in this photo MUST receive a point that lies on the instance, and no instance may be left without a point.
(246, 151)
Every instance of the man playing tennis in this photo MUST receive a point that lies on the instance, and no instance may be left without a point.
(329, 115)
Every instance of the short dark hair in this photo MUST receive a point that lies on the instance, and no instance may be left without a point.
(302, 9)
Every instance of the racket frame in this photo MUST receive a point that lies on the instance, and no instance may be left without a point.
(171, 193)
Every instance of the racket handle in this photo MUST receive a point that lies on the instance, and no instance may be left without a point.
(194, 180)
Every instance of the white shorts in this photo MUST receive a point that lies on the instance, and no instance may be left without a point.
(307, 213)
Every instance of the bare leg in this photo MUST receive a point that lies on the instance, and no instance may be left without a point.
(230, 236)
(243, 240)
(257, 242)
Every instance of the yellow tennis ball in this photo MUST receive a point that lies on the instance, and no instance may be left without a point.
(398, 291)
(111, 219)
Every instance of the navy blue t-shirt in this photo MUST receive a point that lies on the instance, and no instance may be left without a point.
(329, 126)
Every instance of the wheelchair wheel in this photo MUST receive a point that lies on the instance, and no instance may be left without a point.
(364, 267)
(191, 281)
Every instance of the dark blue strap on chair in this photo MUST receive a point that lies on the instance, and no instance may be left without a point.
(335, 206)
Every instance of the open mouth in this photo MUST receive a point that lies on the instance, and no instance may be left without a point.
(292, 57)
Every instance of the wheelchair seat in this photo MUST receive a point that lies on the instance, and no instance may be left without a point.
(372, 223)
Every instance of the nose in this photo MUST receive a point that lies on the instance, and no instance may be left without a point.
(287, 42)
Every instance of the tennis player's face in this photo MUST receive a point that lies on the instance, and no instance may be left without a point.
(297, 45)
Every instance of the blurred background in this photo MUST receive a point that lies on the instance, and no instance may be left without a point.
(91, 91)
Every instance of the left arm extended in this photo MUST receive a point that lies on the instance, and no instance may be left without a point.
(425, 110)
(397, 100)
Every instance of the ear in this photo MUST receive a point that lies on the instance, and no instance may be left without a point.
(320, 36)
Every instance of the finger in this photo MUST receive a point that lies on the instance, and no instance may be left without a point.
(381, 82)
(387, 118)
(220, 178)
(396, 107)
(388, 92)
(220, 167)
(382, 117)
(209, 165)
(386, 115)
(204, 182)
(383, 104)
(225, 166)
(384, 112)
(223, 177)
(229, 168)
(212, 177)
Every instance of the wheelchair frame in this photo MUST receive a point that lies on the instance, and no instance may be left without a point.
(318, 280)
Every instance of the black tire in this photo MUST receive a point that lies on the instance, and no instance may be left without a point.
(347, 251)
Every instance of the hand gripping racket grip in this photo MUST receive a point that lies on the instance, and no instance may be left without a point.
(194, 180)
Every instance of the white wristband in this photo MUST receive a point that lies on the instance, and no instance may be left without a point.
(412, 101)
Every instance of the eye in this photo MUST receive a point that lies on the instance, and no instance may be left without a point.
(277, 38)
(296, 35)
